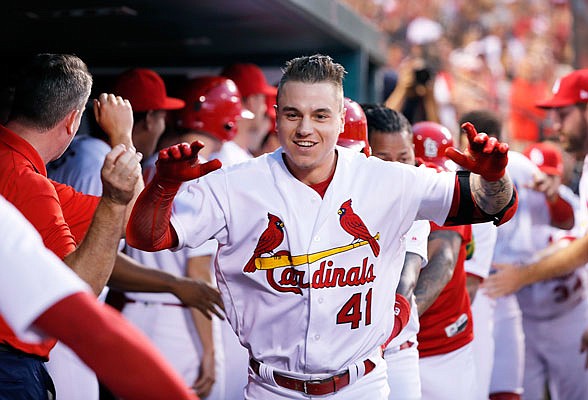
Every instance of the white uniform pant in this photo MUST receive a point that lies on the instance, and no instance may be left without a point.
(72, 378)
(373, 386)
(552, 353)
(449, 376)
(171, 329)
(403, 373)
(483, 343)
(509, 347)
(236, 363)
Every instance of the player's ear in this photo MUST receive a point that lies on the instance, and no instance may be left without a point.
(343, 120)
(72, 121)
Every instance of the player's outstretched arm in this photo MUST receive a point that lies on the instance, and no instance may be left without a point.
(130, 276)
(510, 278)
(149, 227)
(113, 348)
(489, 186)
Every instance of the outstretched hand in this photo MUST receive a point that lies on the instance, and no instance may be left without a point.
(179, 163)
(507, 279)
(201, 295)
(485, 155)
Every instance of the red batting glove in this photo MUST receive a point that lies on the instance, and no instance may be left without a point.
(485, 155)
(179, 163)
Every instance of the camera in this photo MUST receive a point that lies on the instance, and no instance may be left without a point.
(422, 76)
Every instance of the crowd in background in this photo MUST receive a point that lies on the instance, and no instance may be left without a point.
(496, 55)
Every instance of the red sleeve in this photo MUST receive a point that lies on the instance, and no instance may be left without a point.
(562, 213)
(78, 209)
(121, 356)
(149, 226)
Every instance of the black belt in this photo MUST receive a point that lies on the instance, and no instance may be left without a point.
(128, 300)
(316, 387)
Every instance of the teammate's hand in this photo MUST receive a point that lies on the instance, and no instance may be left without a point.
(199, 294)
(401, 314)
(547, 184)
(584, 346)
(115, 116)
(179, 163)
(206, 375)
(485, 155)
(120, 173)
(507, 279)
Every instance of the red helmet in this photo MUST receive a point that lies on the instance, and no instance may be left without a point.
(355, 135)
(430, 142)
(213, 105)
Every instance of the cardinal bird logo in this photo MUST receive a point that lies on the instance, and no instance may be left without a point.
(268, 241)
(353, 225)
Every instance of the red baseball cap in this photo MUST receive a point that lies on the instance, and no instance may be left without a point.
(546, 156)
(249, 79)
(569, 90)
(145, 89)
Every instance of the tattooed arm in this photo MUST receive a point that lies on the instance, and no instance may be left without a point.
(410, 274)
(443, 250)
(491, 196)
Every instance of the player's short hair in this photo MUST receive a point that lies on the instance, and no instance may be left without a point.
(382, 119)
(48, 88)
(484, 121)
(313, 69)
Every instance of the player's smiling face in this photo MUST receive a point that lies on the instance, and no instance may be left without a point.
(310, 117)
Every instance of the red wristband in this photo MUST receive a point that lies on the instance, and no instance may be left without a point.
(401, 317)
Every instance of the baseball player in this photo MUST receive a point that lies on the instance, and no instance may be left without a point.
(39, 295)
(392, 136)
(308, 258)
(557, 306)
(518, 241)
(568, 110)
(446, 329)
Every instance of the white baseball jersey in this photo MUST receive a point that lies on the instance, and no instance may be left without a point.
(32, 278)
(328, 304)
(553, 297)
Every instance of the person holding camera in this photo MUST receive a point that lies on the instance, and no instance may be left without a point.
(413, 94)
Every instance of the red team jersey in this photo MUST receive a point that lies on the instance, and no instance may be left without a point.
(60, 214)
(447, 324)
